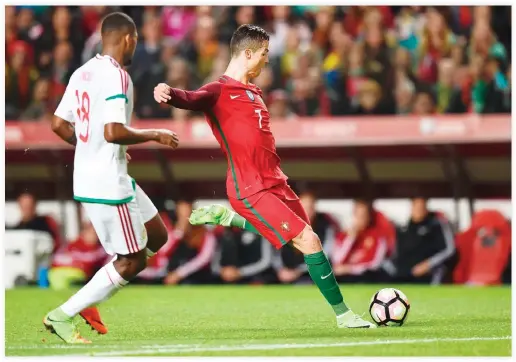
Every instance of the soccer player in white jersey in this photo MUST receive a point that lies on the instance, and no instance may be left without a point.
(94, 116)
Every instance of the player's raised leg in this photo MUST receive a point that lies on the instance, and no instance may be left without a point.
(216, 214)
(279, 224)
(321, 272)
(121, 231)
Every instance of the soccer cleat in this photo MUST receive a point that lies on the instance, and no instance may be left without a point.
(212, 215)
(352, 320)
(91, 316)
(58, 323)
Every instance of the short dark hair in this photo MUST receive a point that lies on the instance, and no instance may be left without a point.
(247, 36)
(117, 22)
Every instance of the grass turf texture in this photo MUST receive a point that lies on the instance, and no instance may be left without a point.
(266, 321)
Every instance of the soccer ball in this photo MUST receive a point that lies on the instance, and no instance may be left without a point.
(389, 307)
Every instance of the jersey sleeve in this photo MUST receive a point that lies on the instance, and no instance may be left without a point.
(114, 96)
(67, 105)
(201, 99)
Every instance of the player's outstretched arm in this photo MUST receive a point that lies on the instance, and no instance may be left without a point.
(121, 134)
(199, 100)
(64, 129)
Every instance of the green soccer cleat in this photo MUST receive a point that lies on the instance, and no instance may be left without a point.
(212, 215)
(57, 322)
(352, 320)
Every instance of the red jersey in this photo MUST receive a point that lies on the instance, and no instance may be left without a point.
(81, 255)
(364, 252)
(240, 122)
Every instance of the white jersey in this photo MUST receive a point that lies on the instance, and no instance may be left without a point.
(98, 93)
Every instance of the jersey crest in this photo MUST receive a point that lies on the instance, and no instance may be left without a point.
(250, 95)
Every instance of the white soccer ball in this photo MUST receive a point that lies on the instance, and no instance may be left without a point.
(389, 307)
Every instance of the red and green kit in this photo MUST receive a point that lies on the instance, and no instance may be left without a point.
(256, 186)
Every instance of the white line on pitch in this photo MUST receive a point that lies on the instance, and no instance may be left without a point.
(258, 347)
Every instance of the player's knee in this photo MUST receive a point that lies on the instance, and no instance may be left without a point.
(307, 241)
(129, 266)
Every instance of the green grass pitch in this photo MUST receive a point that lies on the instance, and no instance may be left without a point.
(267, 321)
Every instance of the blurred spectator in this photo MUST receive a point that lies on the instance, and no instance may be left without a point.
(369, 99)
(193, 250)
(334, 68)
(243, 257)
(474, 88)
(278, 105)
(28, 28)
(377, 53)
(148, 51)
(356, 72)
(360, 251)
(20, 77)
(63, 29)
(355, 19)
(435, 43)
(30, 220)
(403, 63)
(323, 25)
(309, 98)
(77, 261)
(220, 64)
(61, 70)
(91, 18)
(484, 43)
(289, 263)
(93, 45)
(202, 49)
(424, 103)
(409, 23)
(423, 247)
(279, 30)
(146, 78)
(404, 94)
(320, 55)
(244, 15)
(11, 32)
(177, 22)
(291, 54)
(39, 106)
(497, 96)
(444, 86)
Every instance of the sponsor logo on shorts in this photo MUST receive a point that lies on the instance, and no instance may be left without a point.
(284, 226)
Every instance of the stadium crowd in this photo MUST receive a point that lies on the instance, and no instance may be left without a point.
(324, 60)
(425, 249)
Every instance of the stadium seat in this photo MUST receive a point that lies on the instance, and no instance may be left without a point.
(484, 250)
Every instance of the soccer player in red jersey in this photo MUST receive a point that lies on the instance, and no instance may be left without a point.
(256, 186)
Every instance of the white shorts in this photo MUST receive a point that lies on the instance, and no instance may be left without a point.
(121, 228)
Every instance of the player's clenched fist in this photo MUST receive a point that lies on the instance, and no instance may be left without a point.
(161, 93)
(167, 138)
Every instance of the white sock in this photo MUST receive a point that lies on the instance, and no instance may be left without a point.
(103, 285)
